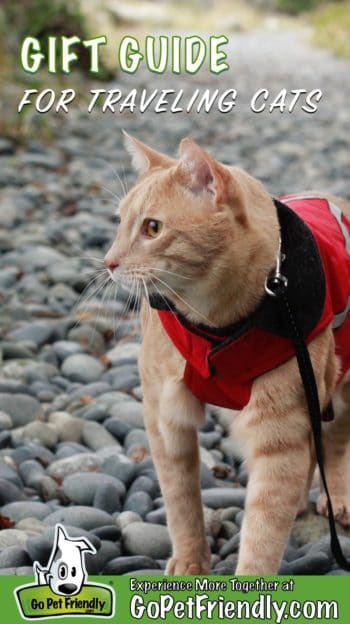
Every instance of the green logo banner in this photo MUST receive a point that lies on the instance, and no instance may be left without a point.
(212, 599)
(38, 602)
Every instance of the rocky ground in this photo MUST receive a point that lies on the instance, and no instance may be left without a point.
(72, 439)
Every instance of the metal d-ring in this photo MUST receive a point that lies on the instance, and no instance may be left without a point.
(277, 283)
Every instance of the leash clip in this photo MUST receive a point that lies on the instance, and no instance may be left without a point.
(277, 284)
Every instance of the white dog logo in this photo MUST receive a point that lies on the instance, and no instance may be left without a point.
(65, 572)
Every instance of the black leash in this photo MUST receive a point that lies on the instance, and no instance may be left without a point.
(276, 286)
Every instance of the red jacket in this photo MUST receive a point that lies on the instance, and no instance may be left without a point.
(222, 364)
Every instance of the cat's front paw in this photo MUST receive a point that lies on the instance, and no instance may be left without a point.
(188, 566)
(341, 508)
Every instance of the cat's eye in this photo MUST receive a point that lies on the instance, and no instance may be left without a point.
(151, 227)
(62, 571)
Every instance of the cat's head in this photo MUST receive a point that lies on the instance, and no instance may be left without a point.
(184, 225)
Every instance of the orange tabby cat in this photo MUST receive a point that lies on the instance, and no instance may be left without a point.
(205, 236)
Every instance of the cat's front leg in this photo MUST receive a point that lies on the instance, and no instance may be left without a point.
(278, 474)
(279, 460)
(171, 424)
(275, 432)
(172, 417)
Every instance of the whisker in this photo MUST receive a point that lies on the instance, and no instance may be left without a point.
(82, 297)
(117, 197)
(167, 271)
(181, 299)
(90, 258)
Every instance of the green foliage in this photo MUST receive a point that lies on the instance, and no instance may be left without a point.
(332, 28)
(293, 7)
(39, 18)
(43, 18)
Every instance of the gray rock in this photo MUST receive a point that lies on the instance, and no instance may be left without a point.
(14, 351)
(31, 526)
(89, 338)
(24, 571)
(131, 413)
(107, 497)
(108, 400)
(223, 497)
(239, 518)
(95, 564)
(21, 408)
(41, 432)
(207, 478)
(121, 467)
(12, 386)
(230, 452)
(65, 348)
(31, 450)
(311, 527)
(82, 367)
(312, 563)
(227, 567)
(8, 276)
(92, 412)
(127, 517)
(209, 439)
(117, 427)
(12, 537)
(157, 516)
(108, 532)
(40, 257)
(146, 572)
(25, 509)
(124, 377)
(6, 146)
(9, 474)
(137, 438)
(7, 571)
(212, 521)
(231, 546)
(39, 332)
(9, 492)
(149, 540)
(79, 516)
(5, 439)
(48, 489)
(96, 436)
(126, 353)
(139, 502)
(94, 389)
(324, 545)
(144, 484)
(228, 529)
(69, 449)
(13, 556)
(45, 160)
(31, 472)
(39, 548)
(81, 487)
(84, 462)
(69, 428)
(122, 565)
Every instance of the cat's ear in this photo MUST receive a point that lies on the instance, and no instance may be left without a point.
(143, 157)
(202, 173)
(195, 163)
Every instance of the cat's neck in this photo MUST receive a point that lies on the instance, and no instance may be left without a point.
(238, 285)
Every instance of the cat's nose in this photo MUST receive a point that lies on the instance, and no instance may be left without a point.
(110, 263)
